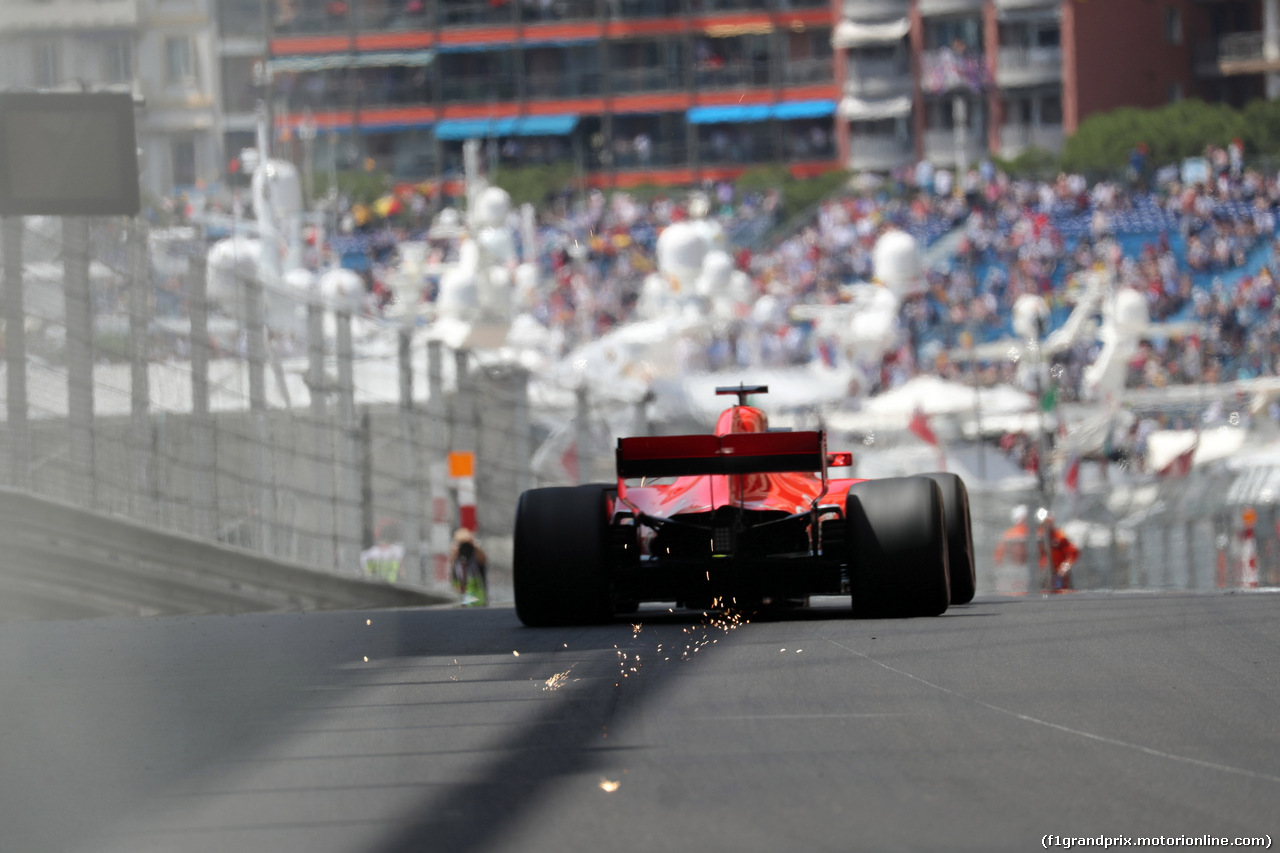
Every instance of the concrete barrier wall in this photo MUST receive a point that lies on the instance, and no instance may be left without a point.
(60, 561)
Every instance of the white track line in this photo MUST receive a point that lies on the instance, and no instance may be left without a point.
(1184, 759)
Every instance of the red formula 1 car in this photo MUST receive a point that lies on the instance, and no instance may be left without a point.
(743, 518)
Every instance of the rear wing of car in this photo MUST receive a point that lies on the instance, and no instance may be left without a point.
(735, 453)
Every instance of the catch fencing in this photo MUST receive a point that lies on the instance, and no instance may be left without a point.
(130, 390)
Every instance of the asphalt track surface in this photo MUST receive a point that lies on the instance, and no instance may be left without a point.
(984, 729)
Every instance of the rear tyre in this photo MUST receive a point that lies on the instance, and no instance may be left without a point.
(955, 510)
(897, 547)
(558, 571)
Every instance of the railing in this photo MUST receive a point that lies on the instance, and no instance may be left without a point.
(1024, 65)
(640, 9)
(754, 146)
(868, 152)
(69, 15)
(870, 78)
(948, 7)
(732, 75)
(558, 10)
(626, 156)
(1015, 138)
(702, 7)
(310, 19)
(801, 71)
(562, 85)
(1241, 47)
(397, 15)
(943, 70)
(498, 87)
(875, 9)
(463, 14)
(940, 147)
(626, 80)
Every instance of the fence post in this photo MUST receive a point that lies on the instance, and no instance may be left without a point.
(204, 469)
(368, 521)
(324, 520)
(15, 355)
(139, 382)
(256, 357)
(349, 533)
(462, 422)
(582, 434)
(523, 435)
(75, 244)
(1166, 543)
(437, 437)
(409, 480)
(1191, 553)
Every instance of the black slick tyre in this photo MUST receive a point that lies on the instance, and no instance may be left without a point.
(897, 547)
(558, 569)
(955, 510)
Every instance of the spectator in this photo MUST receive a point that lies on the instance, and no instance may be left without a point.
(385, 558)
(469, 569)
(1057, 554)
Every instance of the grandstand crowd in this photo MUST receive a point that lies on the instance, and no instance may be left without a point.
(1198, 241)
(1202, 250)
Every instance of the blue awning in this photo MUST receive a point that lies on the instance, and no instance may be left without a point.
(803, 109)
(557, 125)
(553, 125)
(760, 112)
(465, 129)
(728, 113)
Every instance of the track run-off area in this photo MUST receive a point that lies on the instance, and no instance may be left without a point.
(442, 729)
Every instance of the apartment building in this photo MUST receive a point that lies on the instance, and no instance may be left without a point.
(160, 50)
(954, 80)
(627, 91)
(632, 92)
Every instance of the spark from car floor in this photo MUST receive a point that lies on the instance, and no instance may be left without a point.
(558, 680)
(726, 620)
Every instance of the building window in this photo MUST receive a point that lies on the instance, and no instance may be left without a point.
(1173, 25)
(183, 152)
(1051, 110)
(117, 60)
(180, 60)
(47, 63)
(1175, 92)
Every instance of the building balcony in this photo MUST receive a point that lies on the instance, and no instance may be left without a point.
(875, 10)
(660, 155)
(941, 147)
(929, 8)
(879, 153)
(732, 75)
(710, 7)
(1028, 66)
(479, 89)
(1237, 53)
(393, 16)
(876, 78)
(800, 72)
(69, 15)
(944, 70)
(630, 10)
(1017, 138)
(561, 85)
(1049, 6)
(627, 81)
